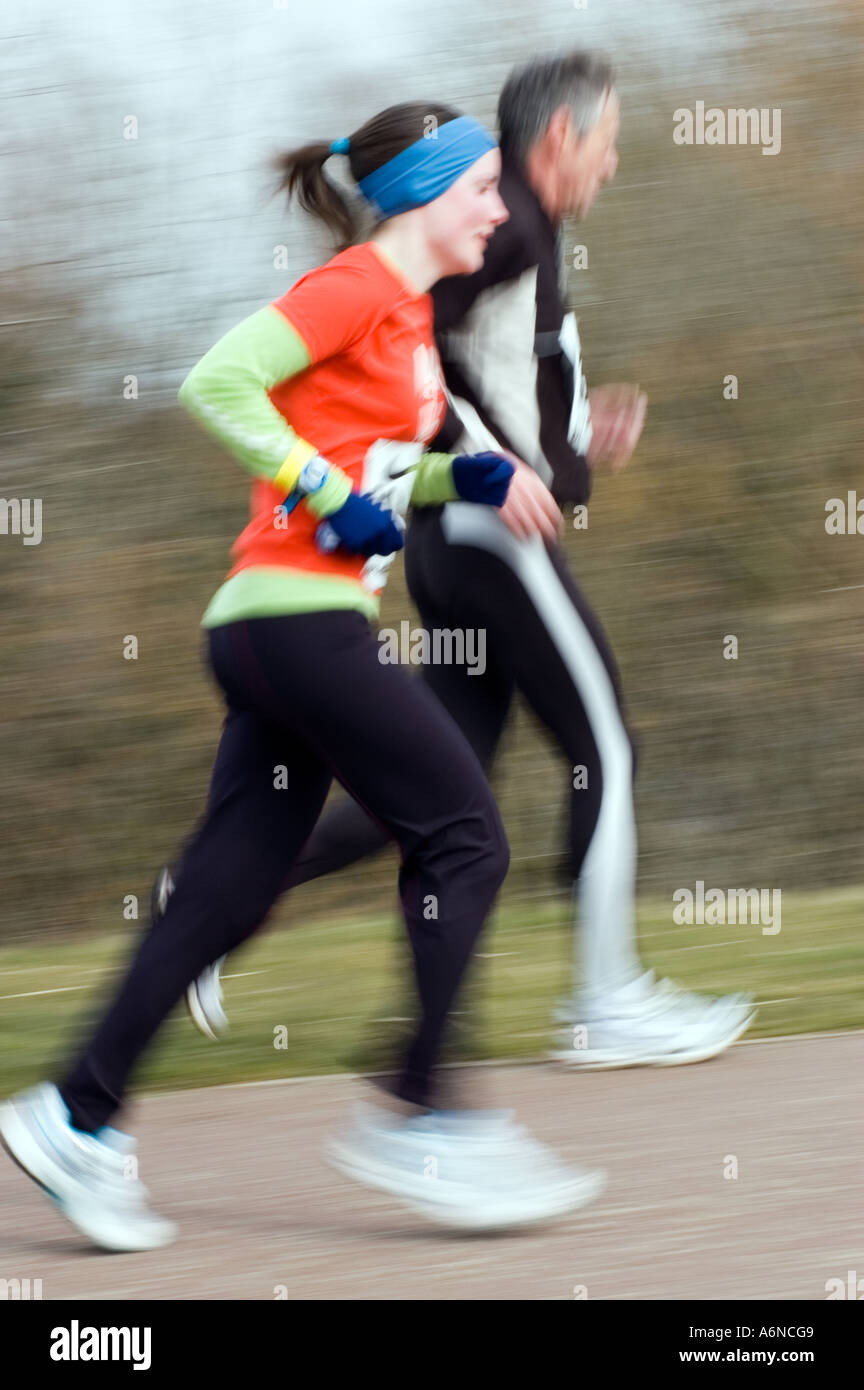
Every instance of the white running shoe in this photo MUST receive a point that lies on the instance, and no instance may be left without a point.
(85, 1175)
(650, 1023)
(204, 997)
(473, 1170)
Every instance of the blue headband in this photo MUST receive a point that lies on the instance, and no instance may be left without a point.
(427, 168)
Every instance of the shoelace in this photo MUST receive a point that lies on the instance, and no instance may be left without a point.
(677, 998)
(663, 997)
(505, 1143)
(702, 1001)
(83, 1155)
(106, 1166)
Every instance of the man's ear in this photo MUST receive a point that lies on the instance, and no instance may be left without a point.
(559, 124)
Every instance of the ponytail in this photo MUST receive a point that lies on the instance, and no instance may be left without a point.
(301, 174)
(301, 171)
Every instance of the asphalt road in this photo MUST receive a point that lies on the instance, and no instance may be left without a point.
(240, 1169)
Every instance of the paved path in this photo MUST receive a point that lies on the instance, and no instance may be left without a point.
(239, 1168)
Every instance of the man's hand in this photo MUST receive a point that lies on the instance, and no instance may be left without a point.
(617, 417)
(529, 508)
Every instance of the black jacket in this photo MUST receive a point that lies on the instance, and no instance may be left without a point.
(510, 351)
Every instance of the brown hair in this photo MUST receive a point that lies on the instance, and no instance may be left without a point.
(301, 171)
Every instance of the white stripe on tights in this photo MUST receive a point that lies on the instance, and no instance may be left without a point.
(606, 885)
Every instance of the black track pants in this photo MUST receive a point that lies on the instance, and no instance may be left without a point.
(309, 700)
(465, 571)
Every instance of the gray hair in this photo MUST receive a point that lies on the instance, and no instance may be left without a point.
(536, 89)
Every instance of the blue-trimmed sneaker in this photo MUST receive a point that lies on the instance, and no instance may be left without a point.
(91, 1178)
(468, 1170)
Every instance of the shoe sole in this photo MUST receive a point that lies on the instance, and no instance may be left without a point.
(505, 1216)
(15, 1138)
(599, 1061)
(203, 1022)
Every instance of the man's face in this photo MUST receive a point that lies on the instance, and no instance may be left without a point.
(589, 161)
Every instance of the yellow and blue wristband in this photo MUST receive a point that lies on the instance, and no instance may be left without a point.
(326, 499)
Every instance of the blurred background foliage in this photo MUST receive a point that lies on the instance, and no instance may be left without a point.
(132, 257)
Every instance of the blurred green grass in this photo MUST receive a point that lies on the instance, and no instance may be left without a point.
(331, 984)
(702, 262)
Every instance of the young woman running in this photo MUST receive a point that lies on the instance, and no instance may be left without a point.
(329, 396)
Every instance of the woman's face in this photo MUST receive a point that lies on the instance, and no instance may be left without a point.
(460, 222)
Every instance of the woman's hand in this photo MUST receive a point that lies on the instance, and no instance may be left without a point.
(482, 478)
(361, 527)
(617, 417)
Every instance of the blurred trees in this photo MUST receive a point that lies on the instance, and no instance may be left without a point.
(703, 263)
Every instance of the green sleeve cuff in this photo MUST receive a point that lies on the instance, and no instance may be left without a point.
(333, 495)
(433, 483)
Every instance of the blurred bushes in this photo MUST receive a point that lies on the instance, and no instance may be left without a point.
(703, 262)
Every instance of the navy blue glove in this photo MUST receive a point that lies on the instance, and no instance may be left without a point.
(361, 527)
(482, 478)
